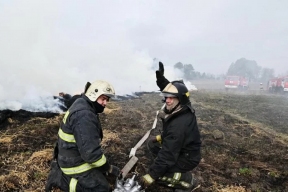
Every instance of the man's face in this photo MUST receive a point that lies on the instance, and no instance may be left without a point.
(169, 101)
(102, 100)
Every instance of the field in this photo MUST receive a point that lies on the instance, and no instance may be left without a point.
(244, 141)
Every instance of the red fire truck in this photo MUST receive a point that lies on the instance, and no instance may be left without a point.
(278, 85)
(236, 82)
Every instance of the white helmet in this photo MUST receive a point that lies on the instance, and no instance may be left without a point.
(98, 88)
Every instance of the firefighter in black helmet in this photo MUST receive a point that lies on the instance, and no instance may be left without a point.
(79, 162)
(177, 149)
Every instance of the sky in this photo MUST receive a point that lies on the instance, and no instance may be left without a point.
(50, 46)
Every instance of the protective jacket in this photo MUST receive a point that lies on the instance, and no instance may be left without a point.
(79, 140)
(181, 144)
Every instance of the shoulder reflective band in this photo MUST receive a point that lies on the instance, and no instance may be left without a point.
(84, 167)
(66, 137)
(72, 185)
(65, 117)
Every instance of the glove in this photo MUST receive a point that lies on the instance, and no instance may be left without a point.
(156, 138)
(146, 180)
(113, 170)
(162, 82)
(87, 86)
(160, 71)
(153, 139)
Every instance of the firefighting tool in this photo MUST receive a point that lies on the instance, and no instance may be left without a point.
(130, 185)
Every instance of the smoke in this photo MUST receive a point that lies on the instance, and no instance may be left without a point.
(47, 48)
(41, 55)
(32, 100)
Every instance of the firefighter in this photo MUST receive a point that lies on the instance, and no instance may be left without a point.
(79, 163)
(67, 100)
(177, 149)
(261, 87)
(64, 99)
(65, 96)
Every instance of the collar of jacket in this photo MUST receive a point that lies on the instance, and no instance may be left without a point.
(181, 110)
(96, 106)
(175, 111)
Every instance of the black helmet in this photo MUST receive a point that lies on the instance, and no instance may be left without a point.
(177, 89)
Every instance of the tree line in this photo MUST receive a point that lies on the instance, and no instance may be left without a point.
(251, 70)
(190, 74)
(242, 67)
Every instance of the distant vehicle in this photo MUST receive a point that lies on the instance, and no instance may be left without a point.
(236, 82)
(285, 88)
(278, 85)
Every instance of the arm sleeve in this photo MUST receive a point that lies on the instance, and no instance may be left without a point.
(168, 155)
(87, 133)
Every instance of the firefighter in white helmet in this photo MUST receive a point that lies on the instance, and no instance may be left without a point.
(79, 162)
(177, 149)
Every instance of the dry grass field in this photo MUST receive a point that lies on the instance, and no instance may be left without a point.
(244, 141)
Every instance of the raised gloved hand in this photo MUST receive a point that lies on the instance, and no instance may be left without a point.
(87, 86)
(161, 80)
(146, 180)
(114, 170)
(160, 71)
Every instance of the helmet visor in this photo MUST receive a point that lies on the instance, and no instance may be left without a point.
(167, 95)
(109, 95)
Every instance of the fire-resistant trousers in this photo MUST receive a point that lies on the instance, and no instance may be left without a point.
(90, 181)
(176, 177)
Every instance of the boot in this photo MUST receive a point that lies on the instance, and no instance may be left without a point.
(194, 186)
(54, 177)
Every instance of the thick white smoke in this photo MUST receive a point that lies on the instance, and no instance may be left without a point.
(42, 55)
(47, 47)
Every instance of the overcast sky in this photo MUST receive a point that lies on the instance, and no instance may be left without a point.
(52, 46)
